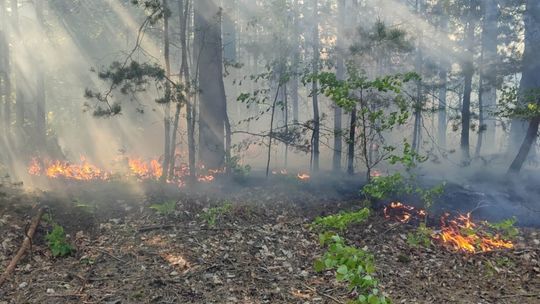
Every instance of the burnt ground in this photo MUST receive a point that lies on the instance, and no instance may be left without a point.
(260, 251)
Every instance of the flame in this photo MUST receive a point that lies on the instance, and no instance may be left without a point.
(62, 169)
(462, 234)
(145, 170)
(376, 173)
(303, 176)
(403, 213)
(459, 233)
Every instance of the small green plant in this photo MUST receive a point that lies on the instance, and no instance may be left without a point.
(352, 265)
(420, 237)
(238, 170)
(57, 242)
(506, 228)
(211, 215)
(383, 186)
(165, 208)
(341, 220)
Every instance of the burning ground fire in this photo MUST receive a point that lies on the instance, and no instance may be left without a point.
(136, 167)
(300, 176)
(459, 233)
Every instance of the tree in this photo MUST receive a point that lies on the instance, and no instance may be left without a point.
(529, 96)
(315, 97)
(488, 76)
(212, 99)
(467, 67)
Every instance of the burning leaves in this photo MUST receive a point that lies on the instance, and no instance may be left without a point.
(462, 234)
(459, 233)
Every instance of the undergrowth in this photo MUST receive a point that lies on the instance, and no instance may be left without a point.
(341, 220)
(57, 241)
(211, 215)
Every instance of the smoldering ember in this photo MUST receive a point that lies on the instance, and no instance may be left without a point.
(269, 151)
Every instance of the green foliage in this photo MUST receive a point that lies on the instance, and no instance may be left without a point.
(341, 220)
(383, 186)
(352, 265)
(516, 104)
(56, 239)
(506, 228)
(211, 215)
(420, 237)
(165, 208)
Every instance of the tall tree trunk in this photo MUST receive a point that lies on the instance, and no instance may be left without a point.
(443, 87)
(419, 102)
(340, 73)
(212, 97)
(315, 88)
(18, 75)
(351, 142)
(468, 72)
(488, 85)
(530, 79)
(167, 101)
(41, 96)
(183, 16)
(295, 62)
(5, 69)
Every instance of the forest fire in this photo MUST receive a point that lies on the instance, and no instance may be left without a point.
(58, 169)
(403, 213)
(460, 233)
(145, 170)
(303, 176)
(134, 167)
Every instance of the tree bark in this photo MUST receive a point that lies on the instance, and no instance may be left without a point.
(315, 88)
(167, 101)
(488, 84)
(212, 97)
(351, 142)
(468, 72)
(530, 80)
(340, 73)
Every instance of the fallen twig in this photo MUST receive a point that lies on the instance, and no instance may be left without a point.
(322, 294)
(24, 247)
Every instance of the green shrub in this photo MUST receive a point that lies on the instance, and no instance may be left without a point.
(341, 220)
(352, 265)
(211, 215)
(421, 236)
(57, 242)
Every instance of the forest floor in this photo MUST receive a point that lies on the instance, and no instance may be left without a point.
(246, 245)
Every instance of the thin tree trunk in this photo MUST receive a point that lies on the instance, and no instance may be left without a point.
(525, 149)
(167, 105)
(315, 88)
(271, 133)
(340, 73)
(417, 130)
(530, 80)
(295, 63)
(351, 142)
(443, 79)
(468, 71)
(488, 86)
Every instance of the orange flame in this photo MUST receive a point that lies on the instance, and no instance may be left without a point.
(462, 234)
(403, 213)
(66, 170)
(303, 176)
